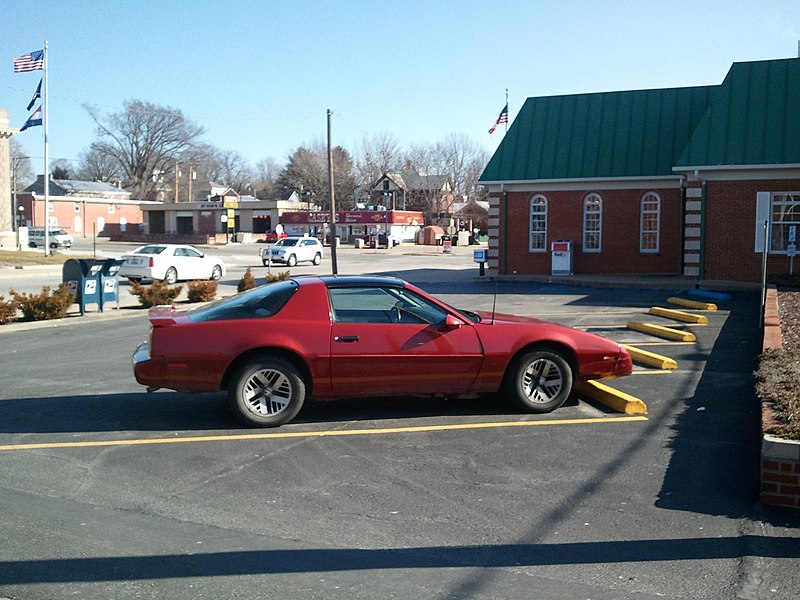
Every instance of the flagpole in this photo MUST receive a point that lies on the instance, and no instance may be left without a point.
(46, 124)
(506, 107)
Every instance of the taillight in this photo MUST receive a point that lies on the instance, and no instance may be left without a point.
(152, 262)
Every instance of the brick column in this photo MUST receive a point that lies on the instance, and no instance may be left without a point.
(493, 229)
(5, 166)
(692, 231)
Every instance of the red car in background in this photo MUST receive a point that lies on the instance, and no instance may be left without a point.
(272, 236)
(274, 346)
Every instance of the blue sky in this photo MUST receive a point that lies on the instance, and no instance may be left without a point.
(260, 75)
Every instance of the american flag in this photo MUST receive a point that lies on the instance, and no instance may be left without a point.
(33, 61)
(503, 118)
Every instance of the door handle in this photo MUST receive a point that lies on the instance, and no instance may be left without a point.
(345, 338)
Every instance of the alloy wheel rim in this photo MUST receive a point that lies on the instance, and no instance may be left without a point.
(542, 381)
(267, 392)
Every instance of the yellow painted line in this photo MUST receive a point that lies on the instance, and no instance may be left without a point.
(619, 401)
(312, 434)
(651, 358)
(665, 343)
(660, 331)
(692, 303)
(678, 315)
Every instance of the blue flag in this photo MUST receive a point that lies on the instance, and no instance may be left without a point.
(37, 94)
(34, 120)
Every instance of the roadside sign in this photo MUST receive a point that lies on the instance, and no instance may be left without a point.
(792, 233)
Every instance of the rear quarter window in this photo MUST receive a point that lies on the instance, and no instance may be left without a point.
(258, 303)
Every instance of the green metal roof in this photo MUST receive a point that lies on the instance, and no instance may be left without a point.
(754, 118)
(609, 134)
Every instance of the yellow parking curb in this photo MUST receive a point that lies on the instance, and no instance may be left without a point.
(619, 401)
(692, 303)
(663, 332)
(678, 315)
(651, 358)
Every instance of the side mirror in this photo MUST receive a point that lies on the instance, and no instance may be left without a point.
(451, 322)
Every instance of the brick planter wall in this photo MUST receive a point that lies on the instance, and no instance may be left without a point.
(780, 459)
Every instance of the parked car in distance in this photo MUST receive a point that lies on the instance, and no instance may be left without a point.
(56, 238)
(170, 263)
(293, 250)
(272, 236)
(327, 337)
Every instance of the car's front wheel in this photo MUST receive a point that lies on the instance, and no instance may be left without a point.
(291, 261)
(216, 272)
(539, 381)
(267, 392)
(171, 276)
(317, 258)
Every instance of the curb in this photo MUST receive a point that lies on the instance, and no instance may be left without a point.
(619, 401)
(662, 332)
(651, 358)
(678, 315)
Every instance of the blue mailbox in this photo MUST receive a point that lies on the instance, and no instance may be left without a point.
(83, 277)
(480, 256)
(109, 281)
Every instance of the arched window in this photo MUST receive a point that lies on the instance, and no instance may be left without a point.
(537, 240)
(649, 222)
(592, 223)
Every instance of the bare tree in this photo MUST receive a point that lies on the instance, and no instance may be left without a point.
(61, 169)
(376, 155)
(462, 160)
(95, 165)
(230, 168)
(144, 139)
(266, 177)
(21, 164)
(307, 174)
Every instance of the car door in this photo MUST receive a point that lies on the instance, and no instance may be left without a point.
(188, 262)
(390, 341)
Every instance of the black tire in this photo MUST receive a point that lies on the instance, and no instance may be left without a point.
(291, 261)
(32, 244)
(171, 276)
(263, 262)
(216, 273)
(317, 259)
(134, 279)
(266, 392)
(54, 245)
(539, 381)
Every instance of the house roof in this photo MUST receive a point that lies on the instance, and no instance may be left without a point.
(74, 187)
(752, 118)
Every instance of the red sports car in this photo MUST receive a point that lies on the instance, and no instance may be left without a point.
(273, 346)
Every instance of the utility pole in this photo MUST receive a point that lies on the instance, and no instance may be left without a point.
(334, 267)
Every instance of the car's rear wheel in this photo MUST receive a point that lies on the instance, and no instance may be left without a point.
(291, 261)
(317, 258)
(267, 392)
(171, 276)
(216, 272)
(539, 381)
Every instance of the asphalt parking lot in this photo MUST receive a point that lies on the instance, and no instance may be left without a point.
(110, 492)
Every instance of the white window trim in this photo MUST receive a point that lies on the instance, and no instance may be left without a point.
(586, 213)
(652, 197)
(765, 206)
(530, 223)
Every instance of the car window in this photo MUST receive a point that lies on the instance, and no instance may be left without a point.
(192, 252)
(257, 303)
(287, 242)
(150, 250)
(372, 304)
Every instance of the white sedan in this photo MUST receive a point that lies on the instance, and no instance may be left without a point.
(170, 263)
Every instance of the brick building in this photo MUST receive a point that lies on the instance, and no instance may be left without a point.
(673, 181)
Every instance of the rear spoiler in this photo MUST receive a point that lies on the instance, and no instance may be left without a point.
(162, 315)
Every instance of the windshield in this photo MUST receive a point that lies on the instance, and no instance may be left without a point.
(287, 242)
(257, 303)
